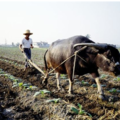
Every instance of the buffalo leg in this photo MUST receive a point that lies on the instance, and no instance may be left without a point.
(100, 91)
(45, 79)
(58, 80)
(70, 83)
(69, 73)
(70, 87)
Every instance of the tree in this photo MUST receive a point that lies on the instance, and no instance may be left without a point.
(88, 36)
(17, 44)
(13, 44)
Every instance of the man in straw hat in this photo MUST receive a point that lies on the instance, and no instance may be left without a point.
(26, 46)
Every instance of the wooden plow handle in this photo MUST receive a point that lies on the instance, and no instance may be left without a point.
(36, 67)
(34, 64)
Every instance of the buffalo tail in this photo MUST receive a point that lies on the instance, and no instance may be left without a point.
(45, 60)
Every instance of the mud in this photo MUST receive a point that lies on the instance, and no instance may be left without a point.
(10, 109)
(84, 94)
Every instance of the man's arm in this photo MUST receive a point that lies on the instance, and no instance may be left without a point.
(32, 46)
(20, 47)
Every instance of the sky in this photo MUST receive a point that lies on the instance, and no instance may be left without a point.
(53, 20)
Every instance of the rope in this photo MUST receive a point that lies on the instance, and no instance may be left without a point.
(61, 64)
(81, 58)
(75, 54)
(74, 65)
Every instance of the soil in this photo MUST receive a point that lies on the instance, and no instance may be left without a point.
(18, 103)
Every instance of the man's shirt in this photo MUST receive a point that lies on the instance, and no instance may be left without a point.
(26, 43)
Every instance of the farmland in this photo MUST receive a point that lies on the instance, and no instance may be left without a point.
(22, 96)
(15, 54)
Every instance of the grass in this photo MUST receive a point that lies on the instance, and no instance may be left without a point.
(15, 54)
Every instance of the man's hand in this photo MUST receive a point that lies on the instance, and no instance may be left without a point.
(22, 51)
(32, 46)
(20, 47)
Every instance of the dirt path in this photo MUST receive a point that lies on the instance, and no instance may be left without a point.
(84, 94)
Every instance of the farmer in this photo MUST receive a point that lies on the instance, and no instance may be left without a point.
(26, 46)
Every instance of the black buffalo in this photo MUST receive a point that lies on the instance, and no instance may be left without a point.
(92, 57)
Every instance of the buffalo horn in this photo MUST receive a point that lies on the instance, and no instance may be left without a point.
(96, 45)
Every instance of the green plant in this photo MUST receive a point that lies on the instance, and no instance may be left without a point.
(15, 80)
(20, 84)
(103, 76)
(1, 71)
(25, 85)
(14, 86)
(80, 111)
(103, 85)
(94, 85)
(113, 90)
(42, 92)
(117, 79)
(53, 100)
(75, 110)
(84, 83)
(63, 76)
(15, 83)
(36, 94)
(30, 87)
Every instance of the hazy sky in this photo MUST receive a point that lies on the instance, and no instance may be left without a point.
(50, 21)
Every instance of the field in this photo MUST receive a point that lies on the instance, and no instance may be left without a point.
(22, 96)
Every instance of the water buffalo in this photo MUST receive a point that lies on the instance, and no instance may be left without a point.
(92, 57)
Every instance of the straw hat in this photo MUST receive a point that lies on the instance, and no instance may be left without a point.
(27, 32)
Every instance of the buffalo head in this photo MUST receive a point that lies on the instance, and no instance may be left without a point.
(112, 54)
(107, 57)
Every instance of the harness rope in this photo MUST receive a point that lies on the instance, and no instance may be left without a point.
(61, 64)
(75, 54)
(74, 65)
